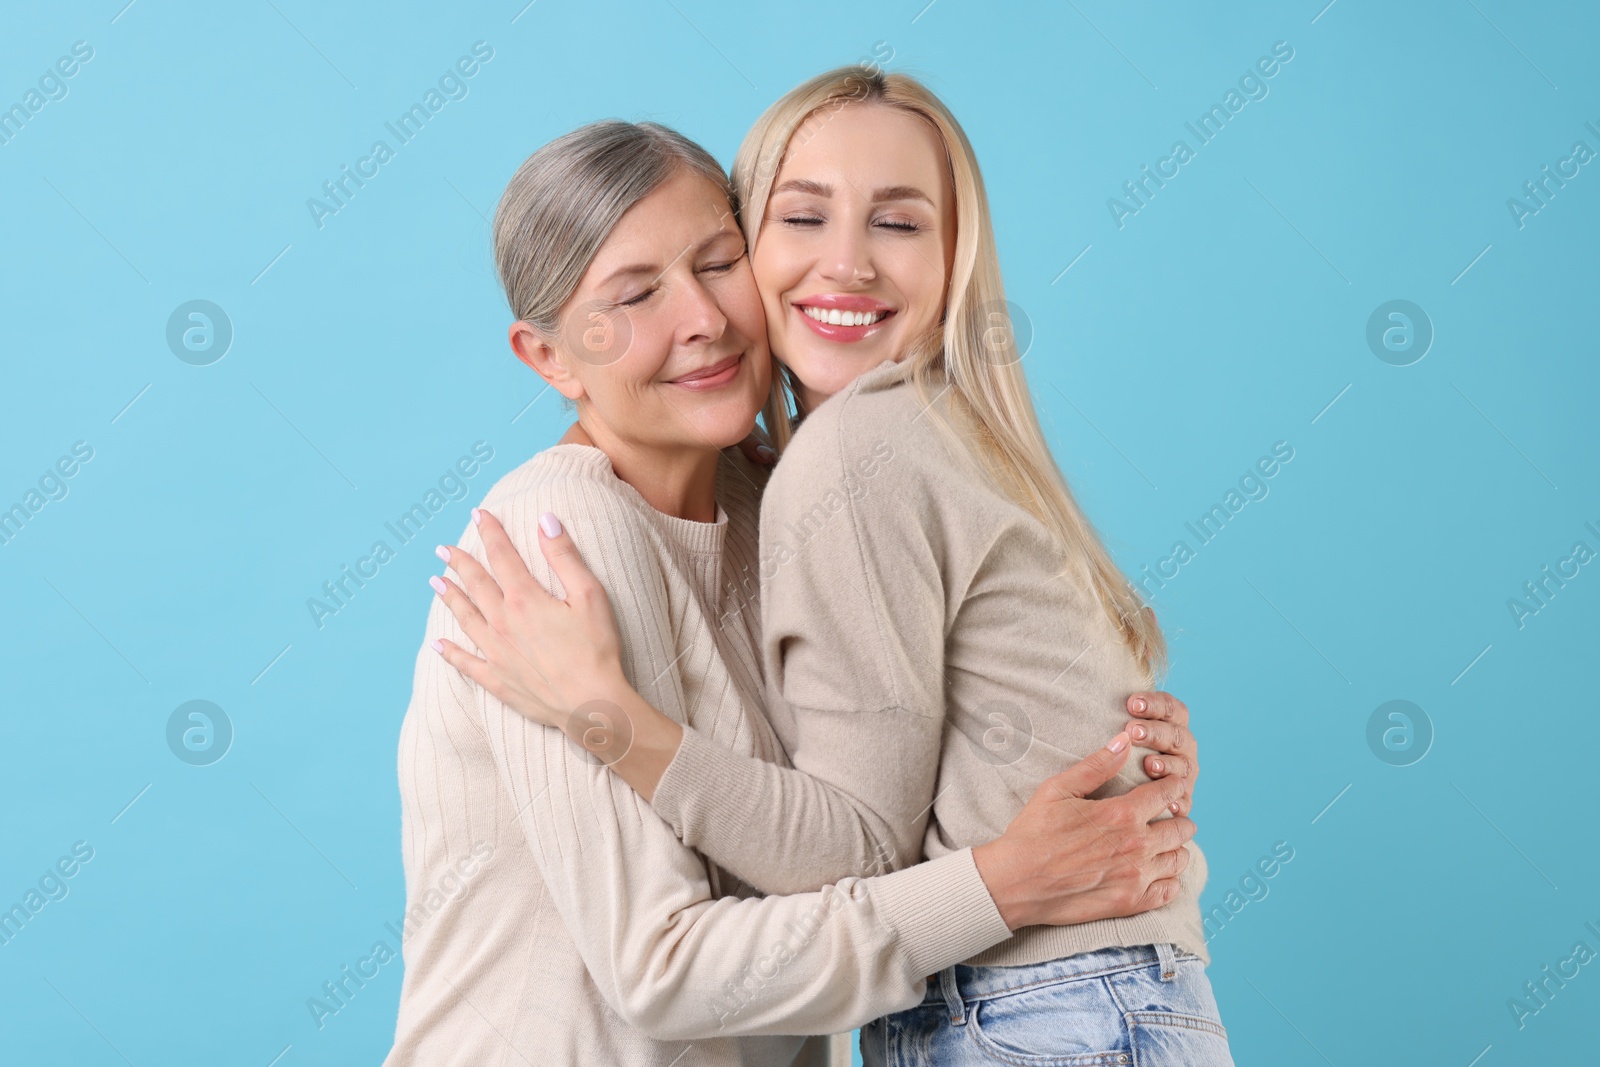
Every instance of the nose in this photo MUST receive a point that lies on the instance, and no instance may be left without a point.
(701, 318)
(845, 260)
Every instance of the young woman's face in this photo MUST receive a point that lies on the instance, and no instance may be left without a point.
(664, 342)
(854, 253)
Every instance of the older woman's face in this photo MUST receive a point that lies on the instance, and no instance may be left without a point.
(854, 253)
(664, 340)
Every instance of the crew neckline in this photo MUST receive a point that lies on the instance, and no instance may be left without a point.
(700, 537)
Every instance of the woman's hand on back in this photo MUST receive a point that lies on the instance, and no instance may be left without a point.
(543, 657)
(1162, 724)
(1066, 859)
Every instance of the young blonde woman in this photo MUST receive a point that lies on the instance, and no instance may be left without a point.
(552, 916)
(941, 628)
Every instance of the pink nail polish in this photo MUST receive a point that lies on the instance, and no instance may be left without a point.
(477, 516)
(437, 583)
(550, 525)
(437, 646)
(1139, 704)
(443, 553)
(1118, 743)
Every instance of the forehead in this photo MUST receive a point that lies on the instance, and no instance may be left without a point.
(682, 213)
(867, 145)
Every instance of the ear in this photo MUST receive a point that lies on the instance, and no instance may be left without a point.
(534, 349)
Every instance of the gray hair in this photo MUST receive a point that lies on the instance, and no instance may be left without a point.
(566, 198)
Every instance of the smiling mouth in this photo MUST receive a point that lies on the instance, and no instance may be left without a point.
(838, 317)
(718, 374)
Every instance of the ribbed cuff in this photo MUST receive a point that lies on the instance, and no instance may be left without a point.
(940, 910)
(702, 774)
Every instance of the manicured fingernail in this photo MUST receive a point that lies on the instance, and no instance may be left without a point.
(437, 583)
(1138, 704)
(765, 453)
(1157, 766)
(1118, 743)
(437, 646)
(477, 516)
(1137, 732)
(550, 525)
(443, 553)
(1173, 807)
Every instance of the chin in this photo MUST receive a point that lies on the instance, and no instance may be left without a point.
(730, 437)
(724, 428)
(828, 373)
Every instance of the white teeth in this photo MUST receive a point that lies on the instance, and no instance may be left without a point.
(835, 317)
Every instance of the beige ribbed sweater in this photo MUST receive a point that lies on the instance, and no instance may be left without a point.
(553, 917)
(927, 666)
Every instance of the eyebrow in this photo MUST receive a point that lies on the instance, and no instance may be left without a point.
(892, 192)
(655, 270)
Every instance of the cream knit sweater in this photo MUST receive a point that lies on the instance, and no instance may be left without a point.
(927, 666)
(552, 916)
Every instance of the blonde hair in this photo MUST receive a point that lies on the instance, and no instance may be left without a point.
(972, 352)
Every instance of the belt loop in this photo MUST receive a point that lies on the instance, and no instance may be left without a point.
(1168, 960)
(952, 996)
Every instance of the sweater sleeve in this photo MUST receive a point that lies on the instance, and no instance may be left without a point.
(855, 668)
(667, 957)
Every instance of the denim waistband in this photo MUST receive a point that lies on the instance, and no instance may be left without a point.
(978, 983)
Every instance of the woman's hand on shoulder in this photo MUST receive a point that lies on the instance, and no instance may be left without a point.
(758, 450)
(543, 657)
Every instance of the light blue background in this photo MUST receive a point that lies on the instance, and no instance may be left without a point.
(1223, 317)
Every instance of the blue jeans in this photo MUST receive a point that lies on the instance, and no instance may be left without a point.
(1149, 1006)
